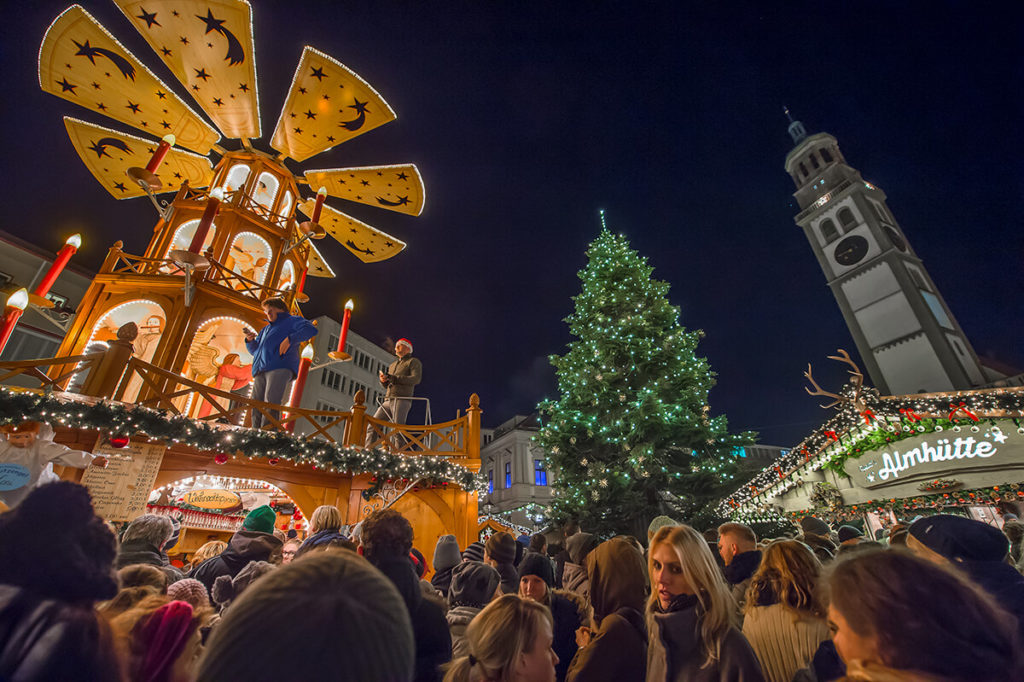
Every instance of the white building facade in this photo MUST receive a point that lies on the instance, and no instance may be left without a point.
(518, 481)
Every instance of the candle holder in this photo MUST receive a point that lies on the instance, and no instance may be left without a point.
(190, 263)
(148, 181)
(309, 230)
(339, 355)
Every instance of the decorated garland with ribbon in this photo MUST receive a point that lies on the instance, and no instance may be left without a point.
(117, 419)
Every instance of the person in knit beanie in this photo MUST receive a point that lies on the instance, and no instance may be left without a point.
(189, 590)
(500, 553)
(473, 552)
(849, 535)
(816, 536)
(226, 589)
(332, 603)
(254, 542)
(160, 639)
(473, 586)
(446, 558)
(536, 582)
(658, 523)
(59, 562)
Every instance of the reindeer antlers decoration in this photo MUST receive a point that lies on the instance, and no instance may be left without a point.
(857, 381)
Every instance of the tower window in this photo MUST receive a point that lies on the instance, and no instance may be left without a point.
(508, 474)
(803, 169)
(846, 219)
(490, 480)
(826, 156)
(540, 474)
(235, 180)
(828, 231)
(814, 161)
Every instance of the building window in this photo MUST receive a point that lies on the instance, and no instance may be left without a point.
(814, 161)
(490, 480)
(847, 219)
(540, 474)
(332, 341)
(828, 231)
(803, 169)
(825, 155)
(508, 474)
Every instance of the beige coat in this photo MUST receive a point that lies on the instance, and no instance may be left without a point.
(782, 642)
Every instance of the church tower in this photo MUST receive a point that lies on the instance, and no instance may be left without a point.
(908, 338)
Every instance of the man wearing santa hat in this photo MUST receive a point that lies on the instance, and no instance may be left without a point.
(401, 378)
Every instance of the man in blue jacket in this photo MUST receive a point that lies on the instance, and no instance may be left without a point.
(275, 355)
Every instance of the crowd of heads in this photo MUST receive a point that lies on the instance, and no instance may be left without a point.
(938, 599)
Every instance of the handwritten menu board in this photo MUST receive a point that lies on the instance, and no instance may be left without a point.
(120, 491)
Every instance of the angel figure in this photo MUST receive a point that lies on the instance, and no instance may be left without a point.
(27, 456)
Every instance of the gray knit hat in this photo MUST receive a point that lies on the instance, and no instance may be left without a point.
(815, 526)
(473, 584)
(226, 589)
(474, 552)
(446, 553)
(658, 523)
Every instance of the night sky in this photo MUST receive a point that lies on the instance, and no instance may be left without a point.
(525, 118)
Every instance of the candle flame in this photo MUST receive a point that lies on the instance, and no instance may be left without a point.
(307, 352)
(349, 305)
(170, 139)
(217, 193)
(19, 299)
(74, 240)
(321, 192)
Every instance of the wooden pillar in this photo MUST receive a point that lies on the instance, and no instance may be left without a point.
(356, 433)
(104, 378)
(473, 430)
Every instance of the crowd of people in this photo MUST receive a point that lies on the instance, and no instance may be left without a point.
(939, 600)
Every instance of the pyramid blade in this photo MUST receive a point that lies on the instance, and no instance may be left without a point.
(366, 243)
(317, 266)
(208, 46)
(396, 188)
(108, 154)
(328, 104)
(82, 63)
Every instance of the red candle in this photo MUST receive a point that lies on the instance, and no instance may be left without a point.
(300, 383)
(16, 304)
(216, 195)
(321, 196)
(63, 256)
(349, 305)
(302, 282)
(161, 151)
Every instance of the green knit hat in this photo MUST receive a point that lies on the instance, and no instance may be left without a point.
(260, 519)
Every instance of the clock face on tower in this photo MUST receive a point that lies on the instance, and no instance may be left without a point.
(895, 238)
(851, 250)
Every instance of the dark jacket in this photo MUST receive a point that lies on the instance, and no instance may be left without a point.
(568, 613)
(265, 348)
(244, 546)
(675, 652)
(1000, 580)
(429, 626)
(319, 538)
(739, 573)
(404, 373)
(45, 639)
(509, 578)
(618, 648)
(442, 580)
(141, 552)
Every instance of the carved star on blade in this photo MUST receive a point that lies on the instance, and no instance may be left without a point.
(298, 131)
(66, 87)
(161, 94)
(100, 149)
(101, 106)
(184, 40)
(196, 88)
(165, 124)
(133, 106)
(330, 138)
(218, 101)
(120, 186)
(302, 91)
(403, 176)
(178, 175)
(201, 73)
(150, 19)
(366, 183)
(318, 73)
(166, 52)
(96, 86)
(243, 87)
(310, 115)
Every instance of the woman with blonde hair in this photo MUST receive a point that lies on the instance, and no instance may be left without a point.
(692, 635)
(784, 619)
(208, 551)
(509, 641)
(324, 526)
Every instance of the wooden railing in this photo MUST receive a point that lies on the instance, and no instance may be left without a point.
(113, 372)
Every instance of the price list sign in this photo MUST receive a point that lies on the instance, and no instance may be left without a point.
(120, 491)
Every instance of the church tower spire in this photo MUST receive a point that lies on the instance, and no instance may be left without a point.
(907, 336)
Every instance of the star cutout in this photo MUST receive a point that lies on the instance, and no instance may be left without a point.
(209, 44)
(318, 73)
(302, 91)
(366, 183)
(291, 115)
(388, 244)
(340, 181)
(212, 24)
(100, 149)
(144, 124)
(67, 66)
(150, 19)
(178, 175)
(403, 200)
(196, 88)
(184, 40)
(298, 131)
(201, 73)
(330, 138)
(134, 107)
(380, 173)
(358, 198)
(360, 107)
(101, 106)
(161, 94)
(310, 115)
(218, 101)
(231, 96)
(244, 87)
(120, 186)
(326, 98)
(167, 53)
(66, 87)
(352, 230)
(175, 13)
(96, 86)
(403, 176)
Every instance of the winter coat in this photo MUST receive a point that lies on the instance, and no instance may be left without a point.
(823, 548)
(405, 374)
(675, 652)
(317, 539)
(783, 641)
(574, 579)
(442, 580)
(429, 626)
(45, 639)
(1002, 581)
(141, 552)
(266, 347)
(458, 620)
(618, 648)
(509, 578)
(25, 467)
(244, 546)
(568, 613)
(739, 574)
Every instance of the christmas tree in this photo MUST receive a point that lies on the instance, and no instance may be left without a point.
(630, 436)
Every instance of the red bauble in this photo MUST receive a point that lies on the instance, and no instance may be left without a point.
(119, 441)
(221, 458)
(273, 461)
(297, 515)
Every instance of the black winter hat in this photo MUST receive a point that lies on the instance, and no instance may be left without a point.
(538, 565)
(848, 533)
(63, 550)
(473, 584)
(958, 538)
(501, 547)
